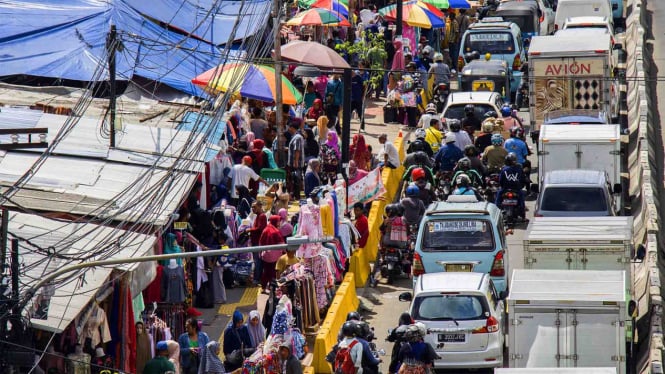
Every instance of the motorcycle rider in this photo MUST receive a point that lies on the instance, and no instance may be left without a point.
(420, 145)
(364, 334)
(433, 134)
(470, 123)
(517, 145)
(439, 72)
(512, 178)
(464, 167)
(464, 187)
(414, 208)
(446, 158)
(426, 118)
(462, 138)
(495, 155)
(484, 140)
(507, 116)
(523, 88)
(419, 179)
(472, 153)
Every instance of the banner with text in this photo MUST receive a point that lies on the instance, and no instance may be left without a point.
(367, 189)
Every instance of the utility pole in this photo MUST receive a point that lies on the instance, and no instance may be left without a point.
(399, 13)
(111, 46)
(277, 24)
(16, 312)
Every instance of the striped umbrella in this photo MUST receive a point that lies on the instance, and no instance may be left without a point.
(440, 4)
(334, 5)
(318, 17)
(416, 13)
(249, 80)
(308, 3)
(459, 4)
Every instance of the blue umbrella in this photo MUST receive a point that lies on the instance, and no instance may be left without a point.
(458, 4)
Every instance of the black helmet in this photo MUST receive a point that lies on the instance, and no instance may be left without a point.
(354, 315)
(399, 210)
(455, 125)
(464, 164)
(468, 109)
(349, 328)
(511, 159)
(470, 150)
(390, 211)
(491, 114)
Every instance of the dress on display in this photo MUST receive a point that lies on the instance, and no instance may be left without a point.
(173, 284)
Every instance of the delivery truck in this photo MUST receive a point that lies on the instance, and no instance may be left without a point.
(579, 243)
(555, 371)
(571, 72)
(567, 318)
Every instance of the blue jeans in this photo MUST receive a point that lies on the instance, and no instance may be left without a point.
(520, 200)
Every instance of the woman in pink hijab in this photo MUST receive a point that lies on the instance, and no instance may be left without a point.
(398, 59)
(285, 227)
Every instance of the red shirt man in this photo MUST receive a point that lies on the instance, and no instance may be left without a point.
(361, 224)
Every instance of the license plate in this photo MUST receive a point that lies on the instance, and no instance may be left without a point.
(483, 85)
(459, 267)
(509, 202)
(452, 338)
(392, 258)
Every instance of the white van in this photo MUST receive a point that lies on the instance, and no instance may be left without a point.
(580, 8)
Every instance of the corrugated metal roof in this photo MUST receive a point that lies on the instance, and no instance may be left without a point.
(73, 240)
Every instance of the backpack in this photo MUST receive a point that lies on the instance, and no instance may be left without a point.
(343, 363)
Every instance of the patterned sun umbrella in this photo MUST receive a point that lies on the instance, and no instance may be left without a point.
(249, 80)
(416, 13)
(334, 5)
(441, 4)
(459, 4)
(318, 17)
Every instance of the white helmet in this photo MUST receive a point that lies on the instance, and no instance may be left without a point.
(450, 137)
(438, 57)
(420, 134)
(422, 329)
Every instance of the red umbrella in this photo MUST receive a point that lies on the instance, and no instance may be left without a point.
(313, 53)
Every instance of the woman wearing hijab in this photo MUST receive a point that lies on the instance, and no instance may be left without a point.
(236, 337)
(258, 155)
(174, 354)
(285, 227)
(311, 145)
(210, 362)
(270, 236)
(191, 343)
(330, 157)
(257, 332)
(143, 347)
(359, 152)
(316, 110)
(171, 246)
(404, 320)
(322, 129)
(312, 178)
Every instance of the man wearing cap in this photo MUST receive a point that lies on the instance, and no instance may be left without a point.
(388, 155)
(448, 155)
(241, 174)
(296, 160)
(288, 361)
(160, 364)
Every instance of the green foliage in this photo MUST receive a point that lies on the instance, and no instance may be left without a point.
(371, 51)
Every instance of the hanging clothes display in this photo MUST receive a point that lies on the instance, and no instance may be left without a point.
(96, 328)
(173, 284)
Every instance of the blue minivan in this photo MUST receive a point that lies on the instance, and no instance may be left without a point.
(501, 39)
(462, 235)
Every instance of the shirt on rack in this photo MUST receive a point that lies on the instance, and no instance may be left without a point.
(310, 225)
(96, 328)
(173, 284)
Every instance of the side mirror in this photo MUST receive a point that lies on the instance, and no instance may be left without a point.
(503, 294)
(640, 253)
(535, 188)
(617, 188)
(405, 296)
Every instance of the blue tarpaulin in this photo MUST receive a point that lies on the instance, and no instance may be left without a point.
(202, 124)
(67, 38)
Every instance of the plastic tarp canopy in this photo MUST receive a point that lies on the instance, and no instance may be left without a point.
(67, 39)
(204, 124)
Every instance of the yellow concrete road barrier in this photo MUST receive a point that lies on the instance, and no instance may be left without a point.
(345, 301)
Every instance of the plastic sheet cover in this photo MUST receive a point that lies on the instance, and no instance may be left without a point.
(66, 38)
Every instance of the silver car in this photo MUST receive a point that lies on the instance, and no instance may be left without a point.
(464, 316)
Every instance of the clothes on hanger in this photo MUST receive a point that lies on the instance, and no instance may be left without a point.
(173, 284)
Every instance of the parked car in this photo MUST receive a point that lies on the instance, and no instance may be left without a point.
(576, 193)
(482, 101)
(464, 315)
(462, 236)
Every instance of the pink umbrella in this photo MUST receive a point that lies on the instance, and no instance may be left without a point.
(313, 53)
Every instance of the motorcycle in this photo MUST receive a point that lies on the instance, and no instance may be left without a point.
(439, 96)
(492, 187)
(510, 207)
(444, 182)
(390, 263)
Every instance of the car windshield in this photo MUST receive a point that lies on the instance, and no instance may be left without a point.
(490, 41)
(457, 111)
(449, 307)
(574, 199)
(525, 22)
(458, 235)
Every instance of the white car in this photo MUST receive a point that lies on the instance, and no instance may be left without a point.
(482, 101)
(464, 316)
(547, 15)
(589, 22)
